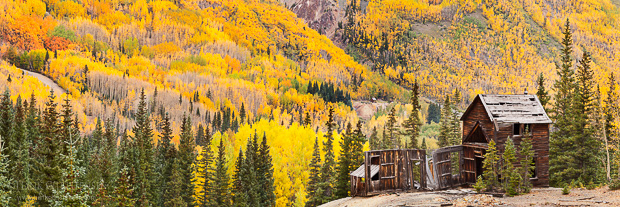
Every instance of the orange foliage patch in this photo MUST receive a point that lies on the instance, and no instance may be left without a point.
(26, 32)
(56, 43)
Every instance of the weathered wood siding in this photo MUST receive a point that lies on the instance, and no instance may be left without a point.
(477, 113)
(395, 171)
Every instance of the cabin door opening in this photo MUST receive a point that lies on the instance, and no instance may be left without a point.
(479, 169)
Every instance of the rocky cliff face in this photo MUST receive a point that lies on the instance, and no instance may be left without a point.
(321, 15)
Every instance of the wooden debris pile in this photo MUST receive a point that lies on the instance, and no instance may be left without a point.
(478, 200)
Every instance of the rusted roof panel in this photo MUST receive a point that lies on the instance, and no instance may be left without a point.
(521, 108)
(374, 169)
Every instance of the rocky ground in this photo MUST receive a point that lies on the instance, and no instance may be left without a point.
(467, 197)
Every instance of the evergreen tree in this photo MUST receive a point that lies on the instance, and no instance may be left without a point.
(315, 191)
(610, 114)
(587, 147)
(424, 147)
(307, 120)
(455, 123)
(187, 157)
(509, 175)
(561, 167)
(393, 130)
(491, 168)
(5, 177)
(357, 146)
(543, 95)
(71, 193)
(6, 122)
(239, 195)
(249, 174)
(413, 123)
(204, 174)
(101, 199)
(527, 162)
(242, 114)
(220, 193)
(143, 152)
(48, 162)
(341, 189)
(268, 197)
(327, 170)
(108, 172)
(20, 167)
(123, 192)
(175, 190)
(444, 127)
(375, 143)
(434, 113)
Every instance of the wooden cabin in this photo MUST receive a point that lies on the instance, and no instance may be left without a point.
(502, 117)
(386, 171)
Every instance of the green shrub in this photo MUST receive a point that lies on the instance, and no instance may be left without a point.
(615, 184)
(566, 190)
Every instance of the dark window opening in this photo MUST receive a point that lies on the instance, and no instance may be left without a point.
(375, 177)
(374, 160)
(516, 129)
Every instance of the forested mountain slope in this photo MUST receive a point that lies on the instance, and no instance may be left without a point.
(476, 46)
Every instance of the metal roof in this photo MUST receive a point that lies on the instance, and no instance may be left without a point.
(521, 108)
(374, 169)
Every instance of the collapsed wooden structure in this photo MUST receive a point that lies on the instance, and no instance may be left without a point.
(488, 117)
(386, 171)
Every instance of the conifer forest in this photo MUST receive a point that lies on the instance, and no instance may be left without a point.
(274, 102)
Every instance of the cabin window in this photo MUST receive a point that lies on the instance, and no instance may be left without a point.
(516, 129)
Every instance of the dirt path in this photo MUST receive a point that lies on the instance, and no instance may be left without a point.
(45, 80)
(538, 197)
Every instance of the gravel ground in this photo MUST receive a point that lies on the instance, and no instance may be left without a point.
(466, 197)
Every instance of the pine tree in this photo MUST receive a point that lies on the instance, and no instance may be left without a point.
(393, 130)
(268, 197)
(527, 161)
(610, 114)
(315, 192)
(239, 194)
(187, 157)
(434, 113)
(5, 177)
(327, 170)
(413, 123)
(444, 127)
(307, 120)
(491, 168)
(341, 189)
(175, 190)
(6, 124)
(357, 146)
(143, 149)
(101, 199)
(561, 167)
(455, 124)
(71, 193)
(123, 192)
(543, 95)
(20, 168)
(242, 114)
(424, 147)
(204, 174)
(249, 174)
(509, 174)
(220, 193)
(375, 142)
(587, 146)
(48, 162)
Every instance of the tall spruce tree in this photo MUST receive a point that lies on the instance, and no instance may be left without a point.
(20, 168)
(187, 157)
(143, 152)
(444, 125)
(71, 192)
(527, 162)
(327, 169)
(5, 177)
(543, 95)
(315, 191)
(393, 130)
(220, 193)
(204, 176)
(48, 150)
(586, 146)
(357, 146)
(491, 168)
(455, 123)
(561, 167)
(375, 142)
(413, 123)
(341, 189)
(175, 190)
(266, 181)
(611, 114)
(509, 174)
(122, 195)
(239, 195)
